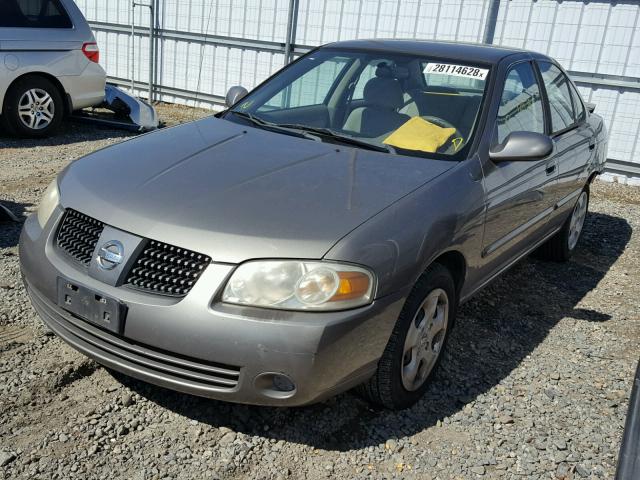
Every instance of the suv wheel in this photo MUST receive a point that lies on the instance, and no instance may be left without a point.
(561, 246)
(416, 343)
(33, 107)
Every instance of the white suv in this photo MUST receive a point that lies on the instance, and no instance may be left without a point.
(48, 65)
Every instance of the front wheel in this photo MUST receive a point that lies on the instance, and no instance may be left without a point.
(33, 107)
(561, 246)
(416, 343)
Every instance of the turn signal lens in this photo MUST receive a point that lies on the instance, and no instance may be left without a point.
(299, 285)
(352, 285)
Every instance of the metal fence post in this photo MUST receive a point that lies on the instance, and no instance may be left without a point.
(132, 46)
(292, 22)
(151, 6)
(492, 19)
(151, 48)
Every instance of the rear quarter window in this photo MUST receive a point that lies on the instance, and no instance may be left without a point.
(33, 14)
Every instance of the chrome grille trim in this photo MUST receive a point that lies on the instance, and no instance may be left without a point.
(160, 268)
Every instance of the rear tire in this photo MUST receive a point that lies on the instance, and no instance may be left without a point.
(561, 246)
(416, 343)
(33, 107)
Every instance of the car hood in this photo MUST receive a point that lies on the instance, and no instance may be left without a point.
(236, 193)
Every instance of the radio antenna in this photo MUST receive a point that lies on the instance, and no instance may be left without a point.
(202, 47)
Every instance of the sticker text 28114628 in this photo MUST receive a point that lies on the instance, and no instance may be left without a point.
(456, 70)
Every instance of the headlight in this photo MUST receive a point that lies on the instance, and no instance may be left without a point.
(48, 203)
(299, 285)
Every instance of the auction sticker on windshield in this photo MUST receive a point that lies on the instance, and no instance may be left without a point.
(456, 70)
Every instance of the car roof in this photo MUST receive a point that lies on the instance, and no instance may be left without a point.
(473, 52)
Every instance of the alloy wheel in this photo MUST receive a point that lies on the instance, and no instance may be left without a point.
(577, 220)
(36, 109)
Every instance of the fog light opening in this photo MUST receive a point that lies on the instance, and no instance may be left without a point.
(283, 383)
(275, 385)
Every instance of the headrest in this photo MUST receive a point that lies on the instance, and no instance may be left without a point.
(384, 70)
(384, 93)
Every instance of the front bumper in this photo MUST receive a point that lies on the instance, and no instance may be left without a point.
(209, 349)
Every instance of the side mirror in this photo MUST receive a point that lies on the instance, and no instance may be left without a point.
(590, 106)
(522, 146)
(234, 95)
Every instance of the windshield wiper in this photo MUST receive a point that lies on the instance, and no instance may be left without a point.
(304, 131)
(273, 126)
(327, 132)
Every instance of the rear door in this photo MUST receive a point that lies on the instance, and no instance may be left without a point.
(518, 193)
(573, 137)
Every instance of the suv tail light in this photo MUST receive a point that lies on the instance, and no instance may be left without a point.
(91, 51)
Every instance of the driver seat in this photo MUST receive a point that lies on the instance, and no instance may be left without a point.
(383, 98)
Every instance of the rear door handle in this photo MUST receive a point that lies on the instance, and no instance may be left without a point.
(551, 168)
(592, 143)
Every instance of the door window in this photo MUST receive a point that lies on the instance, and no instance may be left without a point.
(559, 95)
(521, 104)
(33, 14)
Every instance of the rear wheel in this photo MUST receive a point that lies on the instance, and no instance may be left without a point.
(416, 343)
(561, 246)
(33, 107)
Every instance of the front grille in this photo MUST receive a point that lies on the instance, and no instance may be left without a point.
(160, 268)
(137, 359)
(78, 235)
(166, 269)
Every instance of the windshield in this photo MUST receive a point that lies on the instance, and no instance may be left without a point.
(398, 103)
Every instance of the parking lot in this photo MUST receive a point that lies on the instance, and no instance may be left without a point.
(535, 382)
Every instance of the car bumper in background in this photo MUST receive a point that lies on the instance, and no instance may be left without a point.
(209, 349)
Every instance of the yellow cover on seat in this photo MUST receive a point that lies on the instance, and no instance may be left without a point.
(419, 134)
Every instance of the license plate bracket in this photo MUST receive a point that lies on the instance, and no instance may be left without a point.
(91, 306)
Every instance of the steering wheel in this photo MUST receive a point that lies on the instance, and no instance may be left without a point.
(451, 145)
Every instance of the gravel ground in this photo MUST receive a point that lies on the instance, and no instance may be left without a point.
(535, 383)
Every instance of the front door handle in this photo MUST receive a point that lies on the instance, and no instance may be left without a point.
(592, 143)
(551, 168)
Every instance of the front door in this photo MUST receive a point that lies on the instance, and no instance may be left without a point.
(518, 193)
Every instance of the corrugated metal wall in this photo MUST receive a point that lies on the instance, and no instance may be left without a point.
(321, 22)
(206, 46)
(599, 43)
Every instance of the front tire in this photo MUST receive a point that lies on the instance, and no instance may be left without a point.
(416, 343)
(33, 107)
(561, 246)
